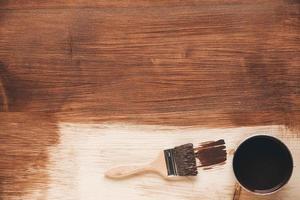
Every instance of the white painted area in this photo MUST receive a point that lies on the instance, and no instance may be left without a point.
(78, 163)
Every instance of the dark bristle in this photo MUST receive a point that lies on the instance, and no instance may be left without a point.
(185, 160)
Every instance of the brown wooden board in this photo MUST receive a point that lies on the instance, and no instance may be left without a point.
(213, 64)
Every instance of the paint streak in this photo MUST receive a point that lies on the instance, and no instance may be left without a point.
(211, 153)
(212, 143)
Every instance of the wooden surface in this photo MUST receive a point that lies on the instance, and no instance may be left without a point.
(76, 163)
(211, 63)
(208, 64)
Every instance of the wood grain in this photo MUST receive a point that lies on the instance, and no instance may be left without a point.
(193, 63)
(212, 64)
(63, 4)
(76, 164)
(24, 140)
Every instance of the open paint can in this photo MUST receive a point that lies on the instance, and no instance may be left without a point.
(262, 164)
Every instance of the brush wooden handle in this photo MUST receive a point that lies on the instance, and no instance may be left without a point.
(125, 171)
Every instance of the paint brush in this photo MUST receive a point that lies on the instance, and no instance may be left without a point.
(176, 162)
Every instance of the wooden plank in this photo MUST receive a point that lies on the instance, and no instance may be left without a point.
(76, 163)
(226, 65)
(124, 144)
(207, 63)
(63, 4)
